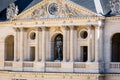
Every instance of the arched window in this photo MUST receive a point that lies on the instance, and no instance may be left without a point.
(58, 47)
(116, 48)
(9, 48)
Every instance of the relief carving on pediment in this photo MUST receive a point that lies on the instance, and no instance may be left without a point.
(39, 13)
(63, 12)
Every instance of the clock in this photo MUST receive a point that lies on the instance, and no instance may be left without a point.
(53, 9)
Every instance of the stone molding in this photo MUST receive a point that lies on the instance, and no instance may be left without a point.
(70, 4)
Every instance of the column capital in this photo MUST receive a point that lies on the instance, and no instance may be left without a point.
(43, 28)
(36, 28)
(64, 27)
(101, 23)
(71, 27)
(21, 28)
(15, 28)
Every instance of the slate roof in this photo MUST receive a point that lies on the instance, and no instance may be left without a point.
(89, 4)
(26, 4)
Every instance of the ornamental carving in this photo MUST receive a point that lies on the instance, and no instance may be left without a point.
(115, 6)
(55, 10)
(12, 11)
(39, 13)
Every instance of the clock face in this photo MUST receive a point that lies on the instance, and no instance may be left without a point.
(53, 8)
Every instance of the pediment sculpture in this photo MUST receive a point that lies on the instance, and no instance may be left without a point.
(12, 11)
(115, 7)
(55, 10)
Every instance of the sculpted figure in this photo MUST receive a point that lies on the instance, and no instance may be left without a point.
(59, 47)
(12, 11)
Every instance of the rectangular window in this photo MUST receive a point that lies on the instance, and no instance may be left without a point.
(32, 53)
(84, 52)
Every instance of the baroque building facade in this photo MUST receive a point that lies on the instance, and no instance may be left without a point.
(60, 40)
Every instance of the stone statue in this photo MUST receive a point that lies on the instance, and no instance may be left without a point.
(59, 47)
(12, 11)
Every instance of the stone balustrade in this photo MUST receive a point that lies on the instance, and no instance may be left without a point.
(79, 65)
(8, 64)
(53, 64)
(28, 64)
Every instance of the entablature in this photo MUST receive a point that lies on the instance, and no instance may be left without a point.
(53, 22)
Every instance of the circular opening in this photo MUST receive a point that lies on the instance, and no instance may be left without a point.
(32, 35)
(84, 34)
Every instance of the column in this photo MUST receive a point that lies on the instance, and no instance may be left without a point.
(43, 43)
(71, 43)
(89, 43)
(64, 43)
(37, 45)
(21, 43)
(15, 44)
(97, 41)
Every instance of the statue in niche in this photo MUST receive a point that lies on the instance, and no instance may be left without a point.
(12, 11)
(59, 47)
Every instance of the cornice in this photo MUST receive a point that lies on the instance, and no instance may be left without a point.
(115, 18)
(52, 22)
(50, 74)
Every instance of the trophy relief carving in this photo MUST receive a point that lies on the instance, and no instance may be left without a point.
(39, 13)
(12, 11)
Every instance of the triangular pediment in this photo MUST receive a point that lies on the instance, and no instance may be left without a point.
(54, 9)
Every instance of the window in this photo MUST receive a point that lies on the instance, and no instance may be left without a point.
(32, 53)
(32, 35)
(84, 52)
(116, 48)
(9, 48)
(83, 34)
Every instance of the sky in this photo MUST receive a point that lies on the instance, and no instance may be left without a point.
(4, 4)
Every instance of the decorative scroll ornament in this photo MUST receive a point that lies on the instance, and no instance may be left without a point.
(115, 6)
(12, 11)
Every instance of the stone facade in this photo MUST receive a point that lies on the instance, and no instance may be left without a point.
(29, 44)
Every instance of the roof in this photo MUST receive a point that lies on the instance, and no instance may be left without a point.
(89, 4)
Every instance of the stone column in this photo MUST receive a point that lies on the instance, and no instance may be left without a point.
(21, 43)
(89, 43)
(37, 45)
(15, 44)
(97, 41)
(64, 43)
(71, 43)
(43, 43)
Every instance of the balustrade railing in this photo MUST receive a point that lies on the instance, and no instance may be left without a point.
(114, 65)
(53, 64)
(79, 65)
(28, 64)
(8, 64)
